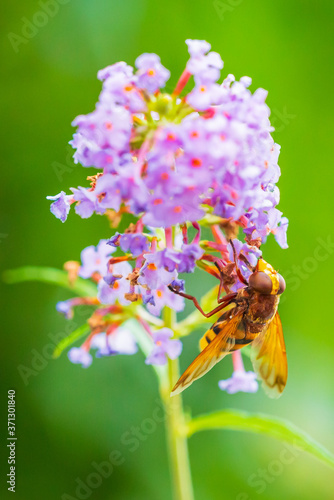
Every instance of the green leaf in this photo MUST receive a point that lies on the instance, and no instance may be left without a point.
(58, 277)
(261, 424)
(70, 339)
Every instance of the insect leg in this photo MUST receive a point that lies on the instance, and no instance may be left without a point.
(222, 282)
(225, 301)
(240, 276)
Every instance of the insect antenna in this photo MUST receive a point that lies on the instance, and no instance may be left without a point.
(247, 263)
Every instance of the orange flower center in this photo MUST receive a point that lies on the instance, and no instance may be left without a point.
(196, 162)
(152, 267)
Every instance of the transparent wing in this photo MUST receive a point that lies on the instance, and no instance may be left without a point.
(269, 360)
(214, 352)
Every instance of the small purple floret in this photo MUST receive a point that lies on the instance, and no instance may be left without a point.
(120, 341)
(135, 243)
(240, 381)
(65, 308)
(152, 75)
(164, 346)
(78, 355)
(95, 259)
(61, 207)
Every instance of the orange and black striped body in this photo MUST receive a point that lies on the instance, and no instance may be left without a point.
(258, 311)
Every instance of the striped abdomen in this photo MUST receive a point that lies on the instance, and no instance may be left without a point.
(241, 337)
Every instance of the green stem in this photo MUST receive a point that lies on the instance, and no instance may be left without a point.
(175, 427)
(67, 341)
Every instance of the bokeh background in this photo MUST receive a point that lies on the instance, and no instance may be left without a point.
(68, 417)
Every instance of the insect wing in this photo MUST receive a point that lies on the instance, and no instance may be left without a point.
(269, 360)
(214, 352)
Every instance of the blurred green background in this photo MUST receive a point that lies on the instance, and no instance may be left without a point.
(68, 417)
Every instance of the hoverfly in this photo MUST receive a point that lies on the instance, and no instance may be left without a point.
(251, 318)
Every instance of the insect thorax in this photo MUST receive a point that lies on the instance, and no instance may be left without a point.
(262, 308)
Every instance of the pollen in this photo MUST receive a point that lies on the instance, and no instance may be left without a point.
(151, 72)
(115, 285)
(152, 267)
(202, 88)
(177, 209)
(157, 201)
(128, 88)
(159, 294)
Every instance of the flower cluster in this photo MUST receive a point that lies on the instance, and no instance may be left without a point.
(171, 159)
(176, 163)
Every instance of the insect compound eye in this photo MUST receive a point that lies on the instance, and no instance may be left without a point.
(261, 282)
(282, 284)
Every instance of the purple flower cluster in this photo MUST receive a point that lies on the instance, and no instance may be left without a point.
(170, 160)
(157, 270)
(162, 267)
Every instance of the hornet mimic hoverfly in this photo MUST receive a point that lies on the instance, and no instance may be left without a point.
(251, 318)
